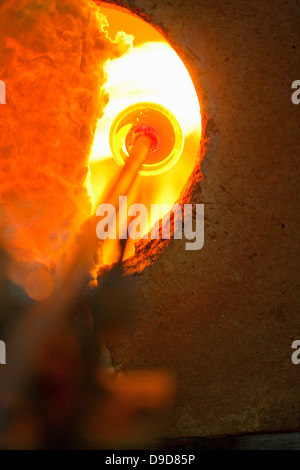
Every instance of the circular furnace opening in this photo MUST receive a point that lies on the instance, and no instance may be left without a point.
(150, 72)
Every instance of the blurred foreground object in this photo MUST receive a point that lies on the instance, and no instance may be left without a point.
(63, 395)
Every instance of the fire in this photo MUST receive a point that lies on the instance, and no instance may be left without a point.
(59, 65)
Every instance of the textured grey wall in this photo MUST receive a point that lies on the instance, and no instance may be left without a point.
(223, 318)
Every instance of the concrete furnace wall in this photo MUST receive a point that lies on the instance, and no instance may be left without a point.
(223, 318)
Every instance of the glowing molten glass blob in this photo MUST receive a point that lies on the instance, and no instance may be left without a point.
(156, 121)
(150, 72)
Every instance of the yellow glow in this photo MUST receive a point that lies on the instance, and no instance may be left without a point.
(167, 135)
(150, 72)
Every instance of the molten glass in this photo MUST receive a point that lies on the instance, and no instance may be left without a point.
(159, 124)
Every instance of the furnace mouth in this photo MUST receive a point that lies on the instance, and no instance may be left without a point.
(150, 92)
